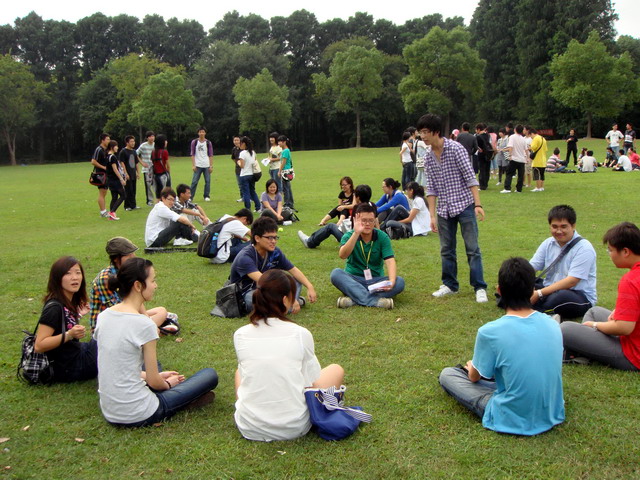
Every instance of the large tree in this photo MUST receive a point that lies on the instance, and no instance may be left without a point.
(354, 80)
(589, 79)
(19, 94)
(166, 105)
(445, 73)
(262, 104)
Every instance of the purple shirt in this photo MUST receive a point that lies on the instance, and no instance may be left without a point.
(450, 179)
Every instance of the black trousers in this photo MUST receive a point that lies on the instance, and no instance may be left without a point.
(512, 168)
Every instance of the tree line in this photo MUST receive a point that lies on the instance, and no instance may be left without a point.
(328, 84)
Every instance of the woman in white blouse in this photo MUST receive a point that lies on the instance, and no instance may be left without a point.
(276, 362)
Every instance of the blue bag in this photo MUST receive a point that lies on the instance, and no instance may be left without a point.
(330, 418)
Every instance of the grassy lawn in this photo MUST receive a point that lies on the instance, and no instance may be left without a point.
(392, 358)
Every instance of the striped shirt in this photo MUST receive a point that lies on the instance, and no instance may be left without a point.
(100, 296)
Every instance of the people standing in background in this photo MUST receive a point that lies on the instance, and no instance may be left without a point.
(99, 162)
(572, 147)
(129, 158)
(144, 155)
(613, 138)
(629, 138)
(235, 156)
(286, 164)
(201, 163)
(161, 167)
(116, 179)
(275, 159)
(408, 167)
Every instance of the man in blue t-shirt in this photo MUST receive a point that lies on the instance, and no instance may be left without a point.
(262, 255)
(514, 382)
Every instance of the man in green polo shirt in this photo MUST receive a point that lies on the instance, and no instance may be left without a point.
(367, 251)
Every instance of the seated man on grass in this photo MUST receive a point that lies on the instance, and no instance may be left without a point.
(184, 206)
(101, 297)
(234, 235)
(367, 251)
(163, 224)
(262, 255)
(521, 353)
(612, 337)
(361, 194)
(569, 288)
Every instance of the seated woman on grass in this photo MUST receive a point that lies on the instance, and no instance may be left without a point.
(276, 362)
(271, 200)
(346, 202)
(401, 223)
(391, 198)
(59, 329)
(131, 396)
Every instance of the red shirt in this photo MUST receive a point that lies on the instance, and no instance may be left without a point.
(634, 157)
(628, 309)
(159, 159)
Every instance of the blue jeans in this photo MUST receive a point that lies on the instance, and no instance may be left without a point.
(323, 233)
(248, 189)
(287, 194)
(248, 296)
(448, 228)
(236, 245)
(275, 174)
(409, 173)
(178, 397)
(473, 396)
(355, 287)
(84, 366)
(196, 178)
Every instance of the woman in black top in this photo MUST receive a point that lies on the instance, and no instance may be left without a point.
(59, 330)
(572, 146)
(116, 179)
(346, 201)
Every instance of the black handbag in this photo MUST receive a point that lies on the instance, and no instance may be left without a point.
(35, 368)
(229, 302)
(98, 179)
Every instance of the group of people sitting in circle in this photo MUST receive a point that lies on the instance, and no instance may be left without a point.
(513, 382)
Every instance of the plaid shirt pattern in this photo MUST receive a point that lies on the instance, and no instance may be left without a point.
(101, 297)
(450, 179)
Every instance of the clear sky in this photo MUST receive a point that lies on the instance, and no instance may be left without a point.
(209, 12)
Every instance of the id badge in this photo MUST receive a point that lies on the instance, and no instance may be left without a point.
(367, 274)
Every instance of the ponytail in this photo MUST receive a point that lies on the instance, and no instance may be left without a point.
(272, 287)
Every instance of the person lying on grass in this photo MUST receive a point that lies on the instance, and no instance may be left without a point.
(131, 396)
(514, 382)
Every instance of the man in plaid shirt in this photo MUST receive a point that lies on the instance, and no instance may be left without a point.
(101, 297)
(450, 180)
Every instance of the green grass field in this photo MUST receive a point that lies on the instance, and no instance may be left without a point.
(392, 358)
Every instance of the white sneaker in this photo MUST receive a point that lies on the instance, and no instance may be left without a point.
(541, 189)
(536, 190)
(207, 199)
(499, 183)
(303, 238)
(181, 242)
(239, 200)
(505, 191)
(481, 296)
(442, 291)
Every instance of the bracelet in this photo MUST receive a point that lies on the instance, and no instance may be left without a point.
(168, 383)
(478, 206)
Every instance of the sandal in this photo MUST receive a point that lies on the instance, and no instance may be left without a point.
(170, 325)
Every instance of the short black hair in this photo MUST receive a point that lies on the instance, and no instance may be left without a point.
(431, 122)
(199, 129)
(623, 235)
(244, 212)
(103, 136)
(363, 192)
(149, 134)
(589, 153)
(411, 130)
(562, 212)
(127, 138)
(183, 187)
(556, 151)
(465, 126)
(516, 279)
(480, 126)
(167, 192)
(364, 208)
(406, 135)
(261, 226)
(519, 129)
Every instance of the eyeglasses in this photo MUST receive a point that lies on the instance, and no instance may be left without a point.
(367, 221)
(344, 184)
(273, 238)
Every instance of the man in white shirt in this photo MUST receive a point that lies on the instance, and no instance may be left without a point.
(234, 236)
(517, 149)
(201, 162)
(163, 224)
(624, 163)
(613, 138)
(144, 155)
(588, 163)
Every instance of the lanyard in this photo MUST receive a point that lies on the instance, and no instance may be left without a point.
(362, 248)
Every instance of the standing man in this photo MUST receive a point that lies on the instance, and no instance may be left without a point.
(129, 158)
(485, 154)
(235, 156)
(201, 162)
(517, 148)
(629, 138)
(450, 180)
(468, 141)
(144, 155)
(613, 138)
(99, 162)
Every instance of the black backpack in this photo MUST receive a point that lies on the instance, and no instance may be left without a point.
(208, 240)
